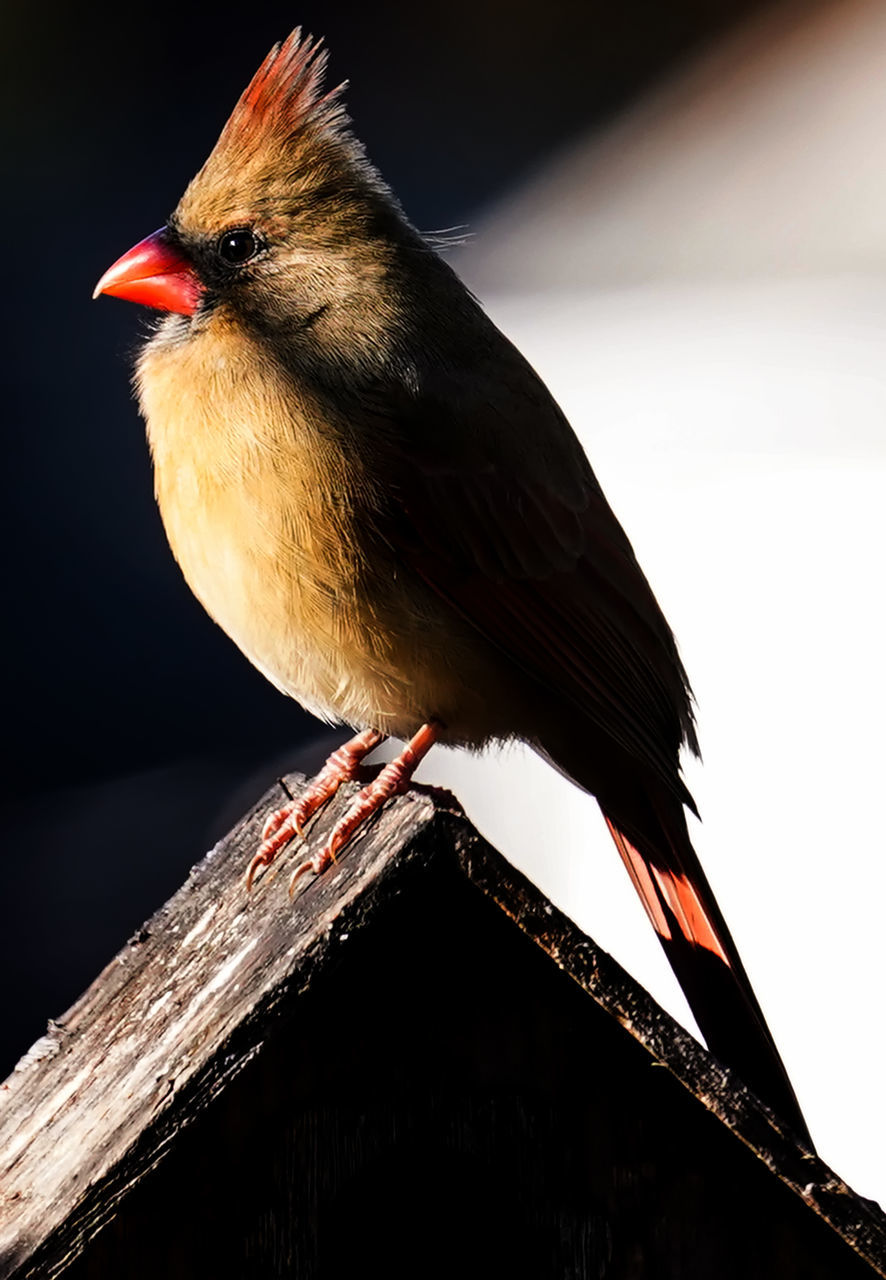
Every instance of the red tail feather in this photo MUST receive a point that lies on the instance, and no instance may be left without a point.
(685, 915)
(657, 887)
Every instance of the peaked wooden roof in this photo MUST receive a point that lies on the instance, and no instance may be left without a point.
(98, 1100)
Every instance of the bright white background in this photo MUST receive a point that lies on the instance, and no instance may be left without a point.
(704, 289)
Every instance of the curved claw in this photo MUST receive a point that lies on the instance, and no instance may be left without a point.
(258, 861)
(293, 815)
(317, 864)
(283, 832)
(342, 833)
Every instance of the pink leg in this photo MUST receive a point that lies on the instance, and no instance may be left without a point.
(392, 781)
(289, 821)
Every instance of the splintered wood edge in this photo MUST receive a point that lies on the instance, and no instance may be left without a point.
(860, 1223)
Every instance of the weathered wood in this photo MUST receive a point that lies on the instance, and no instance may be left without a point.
(195, 997)
(96, 1101)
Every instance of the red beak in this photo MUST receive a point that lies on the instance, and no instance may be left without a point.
(155, 274)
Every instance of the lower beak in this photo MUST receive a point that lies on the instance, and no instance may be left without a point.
(156, 274)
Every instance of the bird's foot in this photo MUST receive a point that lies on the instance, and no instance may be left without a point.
(284, 824)
(393, 780)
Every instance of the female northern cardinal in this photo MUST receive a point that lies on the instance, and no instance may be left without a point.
(373, 493)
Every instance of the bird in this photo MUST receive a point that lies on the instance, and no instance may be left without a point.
(374, 494)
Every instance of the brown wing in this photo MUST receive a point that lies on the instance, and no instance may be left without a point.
(494, 504)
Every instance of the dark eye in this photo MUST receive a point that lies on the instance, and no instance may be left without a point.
(237, 247)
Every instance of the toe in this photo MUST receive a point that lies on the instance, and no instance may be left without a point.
(269, 848)
(315, 866)
(275, 820)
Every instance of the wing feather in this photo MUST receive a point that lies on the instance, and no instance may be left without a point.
(492, 502)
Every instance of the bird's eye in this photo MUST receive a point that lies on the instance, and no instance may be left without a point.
(237, 247)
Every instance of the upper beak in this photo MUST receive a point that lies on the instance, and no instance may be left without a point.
(156, 274)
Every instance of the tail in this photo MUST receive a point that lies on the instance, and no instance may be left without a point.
(668, 877)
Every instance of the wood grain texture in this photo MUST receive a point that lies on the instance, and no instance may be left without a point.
(176, 1014)
(196, 994)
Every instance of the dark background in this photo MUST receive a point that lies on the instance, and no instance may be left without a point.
(135, 732)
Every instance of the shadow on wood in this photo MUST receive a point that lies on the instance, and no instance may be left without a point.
(418, 1067)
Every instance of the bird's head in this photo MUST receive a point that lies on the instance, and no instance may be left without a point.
(286, 219)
